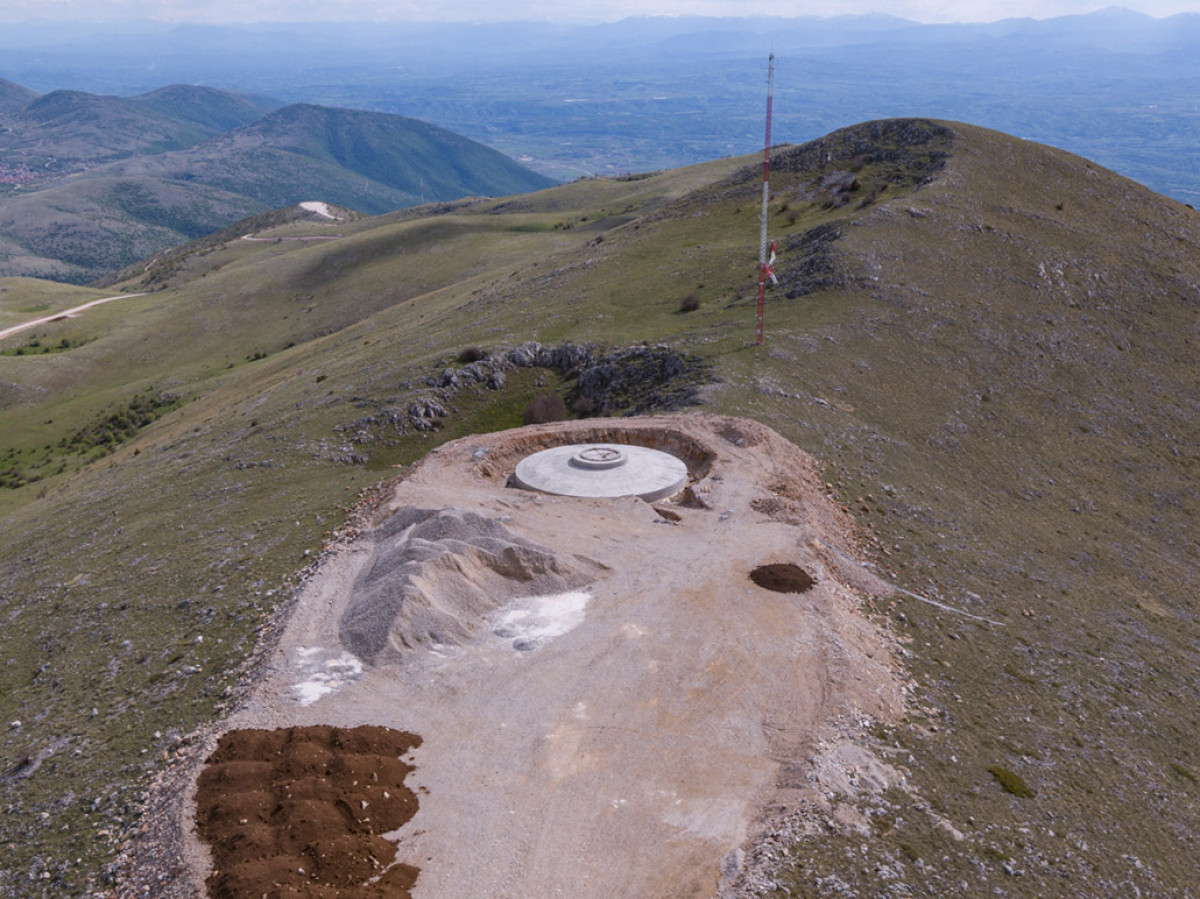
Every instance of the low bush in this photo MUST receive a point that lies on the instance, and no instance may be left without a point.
(545, 407)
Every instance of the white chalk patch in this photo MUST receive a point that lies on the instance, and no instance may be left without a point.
(321, 209)
(533, 620)
(325, 671)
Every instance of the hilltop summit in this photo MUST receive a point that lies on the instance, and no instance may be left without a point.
(986, 345)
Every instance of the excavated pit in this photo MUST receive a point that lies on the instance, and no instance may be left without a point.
(783, 577)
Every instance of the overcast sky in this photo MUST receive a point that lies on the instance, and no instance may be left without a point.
(223, 11)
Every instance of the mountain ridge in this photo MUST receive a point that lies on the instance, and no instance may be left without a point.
(101, 182)
(13, 96)
(988, 345)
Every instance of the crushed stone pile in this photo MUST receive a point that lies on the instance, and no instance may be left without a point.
(436, 576)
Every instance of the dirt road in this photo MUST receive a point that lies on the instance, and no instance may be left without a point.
(66, 313)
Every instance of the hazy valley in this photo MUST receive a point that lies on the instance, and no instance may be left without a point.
(657, 92)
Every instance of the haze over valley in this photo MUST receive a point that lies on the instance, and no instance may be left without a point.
(646, 93)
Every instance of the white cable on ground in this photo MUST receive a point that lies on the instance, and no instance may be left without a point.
(924, 599)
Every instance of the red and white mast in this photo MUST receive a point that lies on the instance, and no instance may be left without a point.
(764, 266)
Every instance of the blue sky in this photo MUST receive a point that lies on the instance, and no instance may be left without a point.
(221, 11)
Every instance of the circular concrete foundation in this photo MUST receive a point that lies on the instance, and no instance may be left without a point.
(602, 470)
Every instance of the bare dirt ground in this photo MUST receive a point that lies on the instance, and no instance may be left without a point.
(322, 210)
(608, 703)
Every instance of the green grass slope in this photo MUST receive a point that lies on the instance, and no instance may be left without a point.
(84, 228)
(989, 345)
(413, 158)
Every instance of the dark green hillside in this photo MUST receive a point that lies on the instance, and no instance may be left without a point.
(66, 131)
(14, 96)
(370, 161)
(173, 180)
(82, 228)
(214, 110)
(61, 218)
(989, 345)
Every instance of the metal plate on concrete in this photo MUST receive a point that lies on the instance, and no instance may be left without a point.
(602, 470)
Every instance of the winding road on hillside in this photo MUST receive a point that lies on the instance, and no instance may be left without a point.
(66, 313)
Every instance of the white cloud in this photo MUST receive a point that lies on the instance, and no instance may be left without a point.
(218, 11)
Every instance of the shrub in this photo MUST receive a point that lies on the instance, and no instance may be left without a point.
(545, 407)
(1011, 782)
(690, 303)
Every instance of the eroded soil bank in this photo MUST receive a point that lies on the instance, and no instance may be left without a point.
(607, 702)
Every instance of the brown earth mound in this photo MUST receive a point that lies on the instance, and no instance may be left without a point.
(300, 811)
(783, 577)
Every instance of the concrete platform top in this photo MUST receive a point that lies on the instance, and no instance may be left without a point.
(603, 470)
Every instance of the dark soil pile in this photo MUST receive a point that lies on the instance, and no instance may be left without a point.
(301, 811)
(782, 578)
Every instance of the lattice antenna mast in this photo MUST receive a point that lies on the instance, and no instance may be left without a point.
(764, 266)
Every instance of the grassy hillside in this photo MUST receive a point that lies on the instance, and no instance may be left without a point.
(210, 109)
(364, 160)
(63, 132)
(989, 345)
(89, 185)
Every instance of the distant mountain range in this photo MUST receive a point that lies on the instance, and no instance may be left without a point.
(647, 93)
(89, 184)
